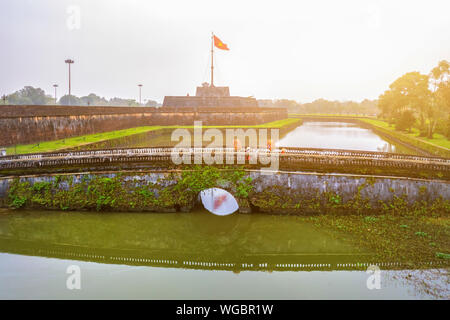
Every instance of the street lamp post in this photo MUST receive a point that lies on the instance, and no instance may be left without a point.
(69, 62)
(140, 88)
(55, 86)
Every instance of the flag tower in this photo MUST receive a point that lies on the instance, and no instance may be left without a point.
(208, 95)
(219, 44)
(212, 59)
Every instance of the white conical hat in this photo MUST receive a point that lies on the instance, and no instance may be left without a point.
(218, 201)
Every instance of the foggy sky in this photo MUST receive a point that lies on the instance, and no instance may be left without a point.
(302, 50)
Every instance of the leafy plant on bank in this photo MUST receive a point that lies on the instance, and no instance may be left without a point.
(105, 193)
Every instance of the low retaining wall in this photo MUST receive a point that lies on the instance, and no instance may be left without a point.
(292, 159)
(28, 124)
(280, 193)
(305, 193)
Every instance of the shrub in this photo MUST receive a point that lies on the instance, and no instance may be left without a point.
(405, 121)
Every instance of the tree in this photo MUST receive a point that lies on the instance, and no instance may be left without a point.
(123, 102)
(325, 106)
(367, 107)
(443, 94)
(71, 100)
(286, 103)
(93, 100)
(405, 121)
(439, 108)
(428, 96)
(409, 92)
(152, 103)
(4, 99)
(388, 103)
(30, 95)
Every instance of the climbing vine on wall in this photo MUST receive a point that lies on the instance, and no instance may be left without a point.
(119, 192)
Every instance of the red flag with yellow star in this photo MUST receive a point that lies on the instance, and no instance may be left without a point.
(219, 44)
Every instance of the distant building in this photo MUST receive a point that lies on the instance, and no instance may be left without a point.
(210, 96)
(212, 91)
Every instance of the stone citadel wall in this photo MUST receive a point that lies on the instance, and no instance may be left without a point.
(29, 124)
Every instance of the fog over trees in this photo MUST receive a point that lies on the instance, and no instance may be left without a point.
(36, 96)
(414, 100)
(366, 107)
(28, 95)
(420, 100)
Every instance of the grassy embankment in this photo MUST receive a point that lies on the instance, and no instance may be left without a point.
(60, 144)
(439, 145)
(405, 238)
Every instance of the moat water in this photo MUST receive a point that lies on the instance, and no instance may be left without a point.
(199, 255)
(313, 134)
(339, 135)
(191, 256)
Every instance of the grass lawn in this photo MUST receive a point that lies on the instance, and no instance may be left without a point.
(76, 141)
(54, 145)
(438, 139)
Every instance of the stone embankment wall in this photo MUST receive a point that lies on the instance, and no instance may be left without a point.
(280, 193)
(29, 124)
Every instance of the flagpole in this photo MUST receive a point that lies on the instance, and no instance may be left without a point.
(212, 59)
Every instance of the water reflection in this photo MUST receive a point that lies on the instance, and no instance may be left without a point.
(28, 277)
(337, 135)
(311, 134)
(196, 240)
(190, 256)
